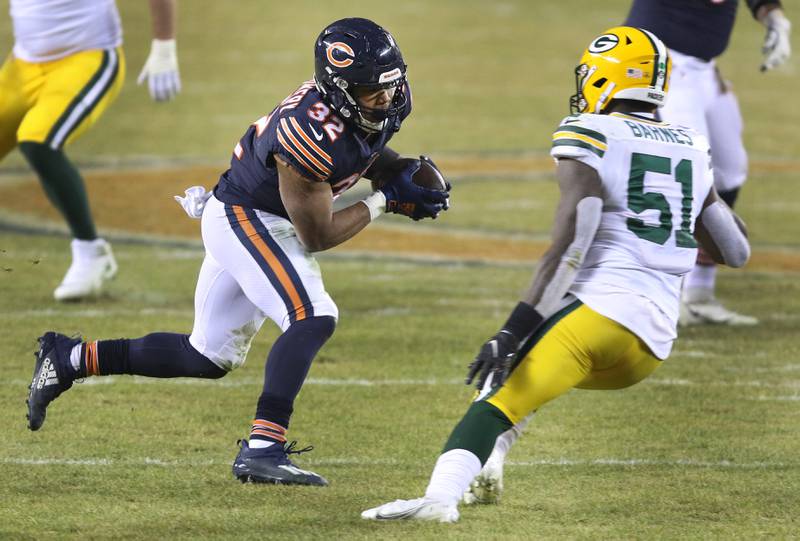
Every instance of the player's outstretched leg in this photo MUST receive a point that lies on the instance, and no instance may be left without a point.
(468, 447)
(61, 360)
(265, 457)
(52, 375)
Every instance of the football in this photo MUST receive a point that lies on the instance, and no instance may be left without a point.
(428, 176)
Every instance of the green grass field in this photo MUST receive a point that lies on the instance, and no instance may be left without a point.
(705, 448)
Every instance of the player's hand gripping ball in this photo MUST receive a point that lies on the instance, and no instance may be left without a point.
(415, 188)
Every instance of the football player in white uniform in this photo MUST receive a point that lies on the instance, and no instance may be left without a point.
(696, 33)
(66, 68)
(602, 310)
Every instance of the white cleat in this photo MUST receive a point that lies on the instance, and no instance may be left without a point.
(487, 487)
(700, 307)
(417, 509)
(92, 264)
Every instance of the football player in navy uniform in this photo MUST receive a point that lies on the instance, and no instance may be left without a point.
(269, 212)
(697, 32)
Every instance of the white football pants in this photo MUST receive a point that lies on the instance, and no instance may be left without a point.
(699, 99)
(255, 267)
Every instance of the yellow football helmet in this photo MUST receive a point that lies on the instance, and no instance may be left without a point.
(621, 63)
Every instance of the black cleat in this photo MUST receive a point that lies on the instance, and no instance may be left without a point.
(272, 465)
(52, 375)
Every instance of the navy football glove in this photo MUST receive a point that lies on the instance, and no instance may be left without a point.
(496, 357)
(406, 198)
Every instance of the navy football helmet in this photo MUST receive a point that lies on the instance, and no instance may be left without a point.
(355, 54)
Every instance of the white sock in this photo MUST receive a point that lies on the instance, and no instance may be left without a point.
(87, 249)
(75, 357)
(451, 476)
(702, 277)
(259, 444)
(506, 440)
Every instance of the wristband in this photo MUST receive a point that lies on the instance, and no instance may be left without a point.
(376, 204)
(523, 321)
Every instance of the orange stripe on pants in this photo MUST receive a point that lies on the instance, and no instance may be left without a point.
(272, 261)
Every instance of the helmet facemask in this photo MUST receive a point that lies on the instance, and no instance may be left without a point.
(373, 120)
(577, 103)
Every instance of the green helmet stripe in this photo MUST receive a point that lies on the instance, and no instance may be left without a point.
(660, 56)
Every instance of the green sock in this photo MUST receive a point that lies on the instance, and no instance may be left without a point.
(64, 187)
(478, 430)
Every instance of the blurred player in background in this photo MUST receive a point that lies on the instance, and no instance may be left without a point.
(697, 32)
(269, 212)
(66, 68)
(602, 310)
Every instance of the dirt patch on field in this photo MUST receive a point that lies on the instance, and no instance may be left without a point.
(141, 201)
(137, 201)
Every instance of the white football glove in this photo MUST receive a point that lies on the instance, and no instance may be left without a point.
(777, 48)
(161, 70)
(195, 201)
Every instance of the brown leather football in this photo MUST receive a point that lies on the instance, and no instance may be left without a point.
(426, 176)
(429, 177)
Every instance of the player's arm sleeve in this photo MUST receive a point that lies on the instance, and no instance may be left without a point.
(576, 222)
(755, 5)
(577, 140)
(588, 213)
(295, 143)
(719, 225)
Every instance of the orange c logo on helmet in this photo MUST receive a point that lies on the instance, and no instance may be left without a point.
(342, 48)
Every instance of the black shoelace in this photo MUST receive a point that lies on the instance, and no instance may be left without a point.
(289, 448)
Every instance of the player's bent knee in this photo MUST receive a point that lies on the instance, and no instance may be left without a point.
(227, 351)
(212, 371)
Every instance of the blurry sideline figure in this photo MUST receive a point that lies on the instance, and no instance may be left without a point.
(67, 66)
(696, 32)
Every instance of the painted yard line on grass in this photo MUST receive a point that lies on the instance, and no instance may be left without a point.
(790, 398)
(95, 312)
(354, 461)
(363, 382)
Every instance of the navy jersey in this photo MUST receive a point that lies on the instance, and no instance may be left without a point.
(305, 133)
(699, 28)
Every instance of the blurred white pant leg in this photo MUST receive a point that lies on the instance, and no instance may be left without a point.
(728, 154)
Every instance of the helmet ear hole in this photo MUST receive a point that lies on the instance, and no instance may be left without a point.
(600, 82)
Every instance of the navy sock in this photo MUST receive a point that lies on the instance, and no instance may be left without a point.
(158, 355)
(287, 366)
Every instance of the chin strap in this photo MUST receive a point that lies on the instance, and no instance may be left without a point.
(587, 219)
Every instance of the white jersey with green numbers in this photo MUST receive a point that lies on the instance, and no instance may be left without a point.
(655, 178)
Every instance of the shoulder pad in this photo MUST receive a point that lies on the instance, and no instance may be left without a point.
(581, 131)
(305, 147)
